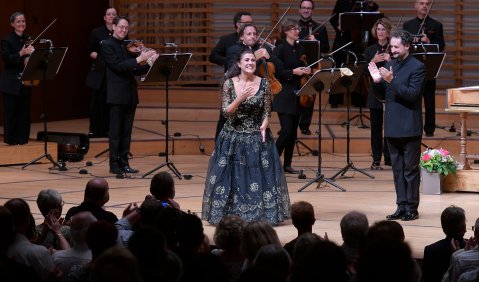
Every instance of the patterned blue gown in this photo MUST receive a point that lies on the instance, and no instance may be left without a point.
(245, 176)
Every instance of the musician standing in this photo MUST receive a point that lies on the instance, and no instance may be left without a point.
(16, 95)
(307, 26)
(379, 54)
(122, 93)
(218, 53)
(344, 37)
(286, 103)
(430, 31)
(99, 111)
(402, 80)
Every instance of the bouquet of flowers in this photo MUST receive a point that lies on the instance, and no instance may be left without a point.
(438, 160)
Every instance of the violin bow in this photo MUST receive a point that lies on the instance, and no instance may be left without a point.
(399, 22)
(38, 37)
(329, 55)
(276, 25)
(319, 26)
(425, 17)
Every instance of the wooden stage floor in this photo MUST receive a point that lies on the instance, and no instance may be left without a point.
(375, 197)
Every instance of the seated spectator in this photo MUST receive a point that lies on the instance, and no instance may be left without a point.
(302, 215)
(22, 250)
(100, 236)
(11, 271)
(95, 197)
(465, 262)
(79, 254)
(52, 233)
(272, 264)
(116, 264)
(437, 256)
(385, 256)
(227, 238)
(162, 187)
(197, 266)
(257, 234)
(315, 259)
(354, 227)
(156, 262)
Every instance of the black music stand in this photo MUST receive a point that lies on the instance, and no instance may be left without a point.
(312, 52)
(321, 80)
(432, 61)
(347, 83)
(44, 64)
(358, 69)
(424, 48)
(359, 21)
(168, 67)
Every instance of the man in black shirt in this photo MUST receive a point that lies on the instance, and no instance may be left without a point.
(431, 32)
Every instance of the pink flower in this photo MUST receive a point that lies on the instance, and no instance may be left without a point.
(426, 157)
(443, 152)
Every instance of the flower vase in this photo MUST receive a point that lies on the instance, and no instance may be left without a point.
(431, 182)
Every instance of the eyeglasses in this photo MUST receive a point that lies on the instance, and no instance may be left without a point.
(295, 28)
(122, 27)
(306, 8)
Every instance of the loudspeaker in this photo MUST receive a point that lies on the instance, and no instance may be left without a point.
(71, 146)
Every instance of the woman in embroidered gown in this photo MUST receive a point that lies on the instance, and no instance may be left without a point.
(245, 176)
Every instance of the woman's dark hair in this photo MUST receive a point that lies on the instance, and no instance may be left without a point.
(234, 70)
(117, 19)
(287, 25)
(15, 15)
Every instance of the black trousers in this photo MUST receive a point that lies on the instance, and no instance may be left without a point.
(289, 131)
(405, 153)
(378, 145)
(16, 117)
(429, 95)
(99, 113)
(306, 117)
(219, 124)
(121, 125)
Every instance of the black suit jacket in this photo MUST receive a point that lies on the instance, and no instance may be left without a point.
(121, 68)
(437, 258)
(321, 34)
(432, 28)
(403, 112)
(218, 54)
(11, 45)
(96, 75)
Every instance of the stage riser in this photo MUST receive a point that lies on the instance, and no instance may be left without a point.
(22, 154)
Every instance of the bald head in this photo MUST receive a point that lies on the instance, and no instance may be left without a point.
(79, 226)
(96, 191)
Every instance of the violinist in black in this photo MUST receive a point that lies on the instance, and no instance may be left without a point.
(379, 54)
(16, 95)
(310, 31)
(431, 32)
(286, 103)
(99, 111)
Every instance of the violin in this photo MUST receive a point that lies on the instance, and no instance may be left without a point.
(306, 100)
(267, 71)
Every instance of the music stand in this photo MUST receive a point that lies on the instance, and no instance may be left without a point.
(359, 21)
(424, 48)
(167, 67)
(312, 52)
(320, 81)
(358, 69)
(432, 61)
(346, 83)
(44, 64)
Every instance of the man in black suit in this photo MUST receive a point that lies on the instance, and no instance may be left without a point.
(99, 112)
(430, 33)
(219, 52)
(122, 93)
(307, 26)
(402, 79)
(16, 95)
(437, 256)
